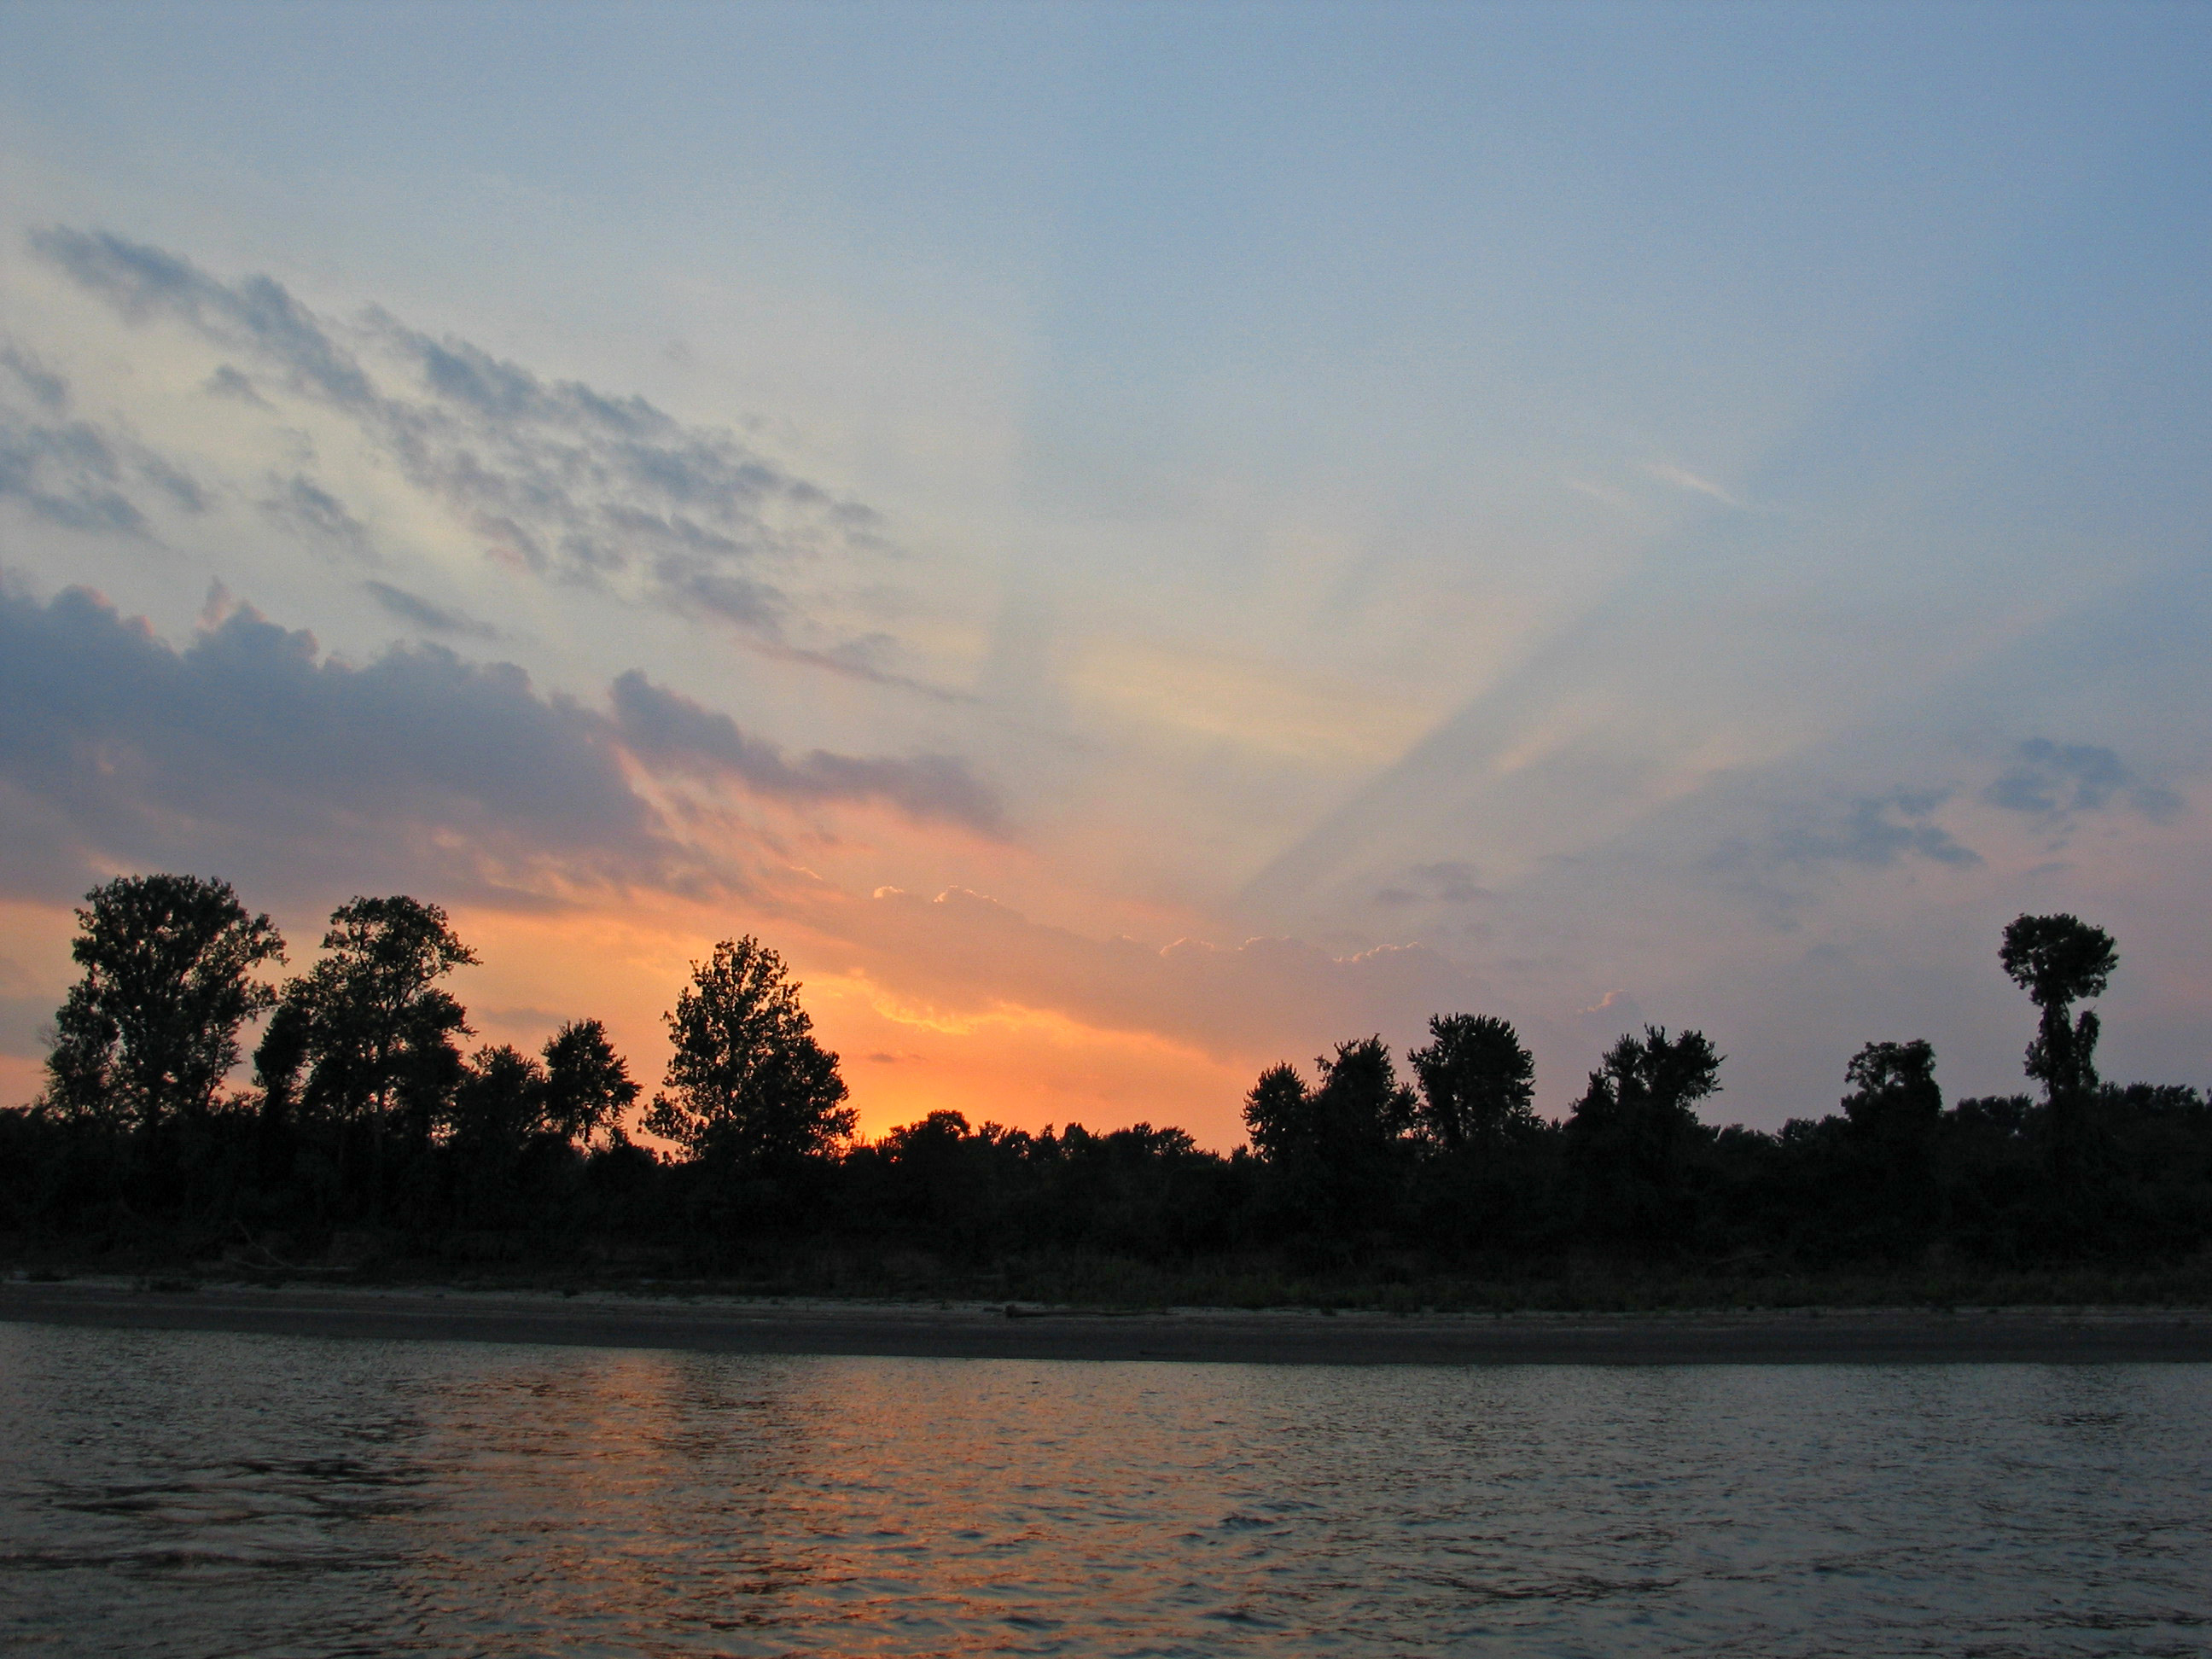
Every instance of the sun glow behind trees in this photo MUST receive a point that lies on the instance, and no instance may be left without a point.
(368, 1113)
(1539, 511)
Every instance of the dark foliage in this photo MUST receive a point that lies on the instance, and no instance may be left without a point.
(370, 1132)
(152, 1028)
(748, 1085)
(1477, 1084)
(587, 1085)
(1633, 1132)
(2058, 961)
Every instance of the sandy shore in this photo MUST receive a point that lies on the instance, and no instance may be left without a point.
(713, 1325)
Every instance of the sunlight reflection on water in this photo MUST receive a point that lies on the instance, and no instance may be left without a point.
(166, 1493)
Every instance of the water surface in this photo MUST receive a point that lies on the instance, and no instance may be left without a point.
(198, 1493)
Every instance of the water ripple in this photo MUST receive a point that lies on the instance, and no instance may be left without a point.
(174, 1494)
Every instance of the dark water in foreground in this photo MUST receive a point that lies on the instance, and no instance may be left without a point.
(185, 1493)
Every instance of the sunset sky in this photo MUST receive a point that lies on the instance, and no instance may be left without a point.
(1130, 542)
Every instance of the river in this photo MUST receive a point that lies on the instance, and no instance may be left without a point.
(205, 1493)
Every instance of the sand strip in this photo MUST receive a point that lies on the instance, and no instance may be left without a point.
(711, 1325)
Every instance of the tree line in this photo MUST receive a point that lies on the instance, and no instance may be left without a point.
(366, 1113)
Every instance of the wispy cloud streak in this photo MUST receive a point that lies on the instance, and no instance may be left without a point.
(548, 476)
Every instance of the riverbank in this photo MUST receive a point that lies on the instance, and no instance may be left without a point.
(711, 1324)
(836, 1271)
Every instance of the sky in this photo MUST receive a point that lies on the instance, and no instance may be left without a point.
(1129, 542)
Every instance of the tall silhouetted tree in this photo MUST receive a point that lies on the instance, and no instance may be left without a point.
(2059, 960)
(369, 1021)
(748, 1083)
(1476, 1082)
(152, 1028)
(278, 1059)
(1634, 1125)
(587, 1087)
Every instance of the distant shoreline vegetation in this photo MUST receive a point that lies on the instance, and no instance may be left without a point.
(370, 1140)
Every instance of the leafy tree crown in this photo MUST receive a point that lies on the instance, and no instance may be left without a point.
(1477, 1081)
(1644, 1090)
(370, 1014)
(588, 1086)
(2058, 960)
(1357, 1108)
(152, 1027)
(748, 1080)
(1894, 1088)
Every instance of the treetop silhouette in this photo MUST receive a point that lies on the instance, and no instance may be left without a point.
(368, 1112)
(151, 1030)
(1477, 1081)
(747, 1084)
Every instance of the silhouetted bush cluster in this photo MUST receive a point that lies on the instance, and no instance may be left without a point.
(369, 1129)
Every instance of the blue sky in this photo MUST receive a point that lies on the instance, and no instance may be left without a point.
(1310, 514)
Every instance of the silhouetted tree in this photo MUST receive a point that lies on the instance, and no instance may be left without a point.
(587, 1087)
(369, 1021)
(1279, 1112)
(748, 1083)
(1634, 1125)
(1358, 1106)
(1332, 1150)
(1895, 1098)
(498, 1104)
(1891, 1118)
(152, 1028)
(2059, 960)
(278, 1060)
(1476, 1082)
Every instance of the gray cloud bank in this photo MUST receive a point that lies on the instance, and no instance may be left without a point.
(250, 753)
(550, 476)
(671, 732)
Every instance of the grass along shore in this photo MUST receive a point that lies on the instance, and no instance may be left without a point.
(1245, 1283)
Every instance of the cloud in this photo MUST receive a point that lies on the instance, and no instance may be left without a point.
(431, 617)
(2054, 781)
(255, 315)
(1801, 845)
(1876, 832)
(1451, 882)
(1612, 1014)
(67, 473)
(1691, 483)
(547, 475)
(47, 389)
(227, 382)
(76, 473)
(249, 751)
(668, 731)
(316, 515)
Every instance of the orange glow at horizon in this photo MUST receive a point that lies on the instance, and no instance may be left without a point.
(990, 1059)
(998, 1061)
